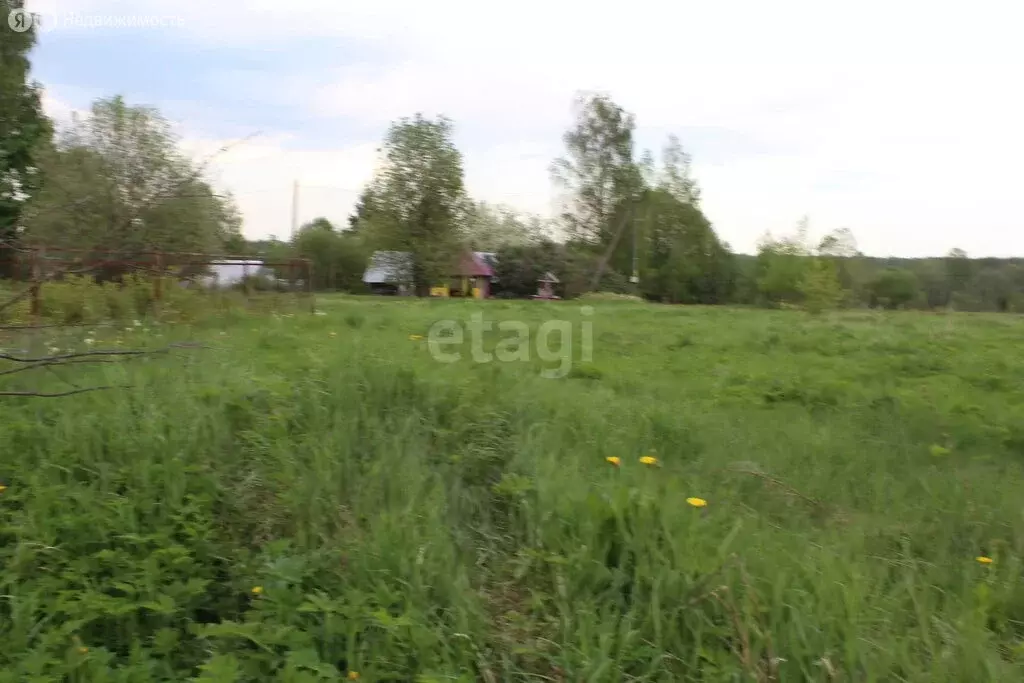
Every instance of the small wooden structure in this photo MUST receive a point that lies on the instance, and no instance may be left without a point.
(546, 287)
(471, 277)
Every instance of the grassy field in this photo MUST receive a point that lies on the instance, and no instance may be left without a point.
(314, 498)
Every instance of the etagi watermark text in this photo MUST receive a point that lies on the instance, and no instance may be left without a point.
(20, 20)
(550, 342)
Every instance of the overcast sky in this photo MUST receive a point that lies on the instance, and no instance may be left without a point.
(901, 120)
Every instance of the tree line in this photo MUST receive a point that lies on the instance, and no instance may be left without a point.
(630, 224)
(630, 220)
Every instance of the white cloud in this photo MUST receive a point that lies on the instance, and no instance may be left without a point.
(261, 173)
(899, 120)
(59, 110)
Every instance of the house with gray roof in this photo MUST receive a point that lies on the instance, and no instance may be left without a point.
(389, 272)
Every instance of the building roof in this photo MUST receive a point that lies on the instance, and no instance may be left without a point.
(474, 264)
(488, 257)
(391, 267)
(550, 277)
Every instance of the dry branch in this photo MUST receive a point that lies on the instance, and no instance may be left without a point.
(780, 484)
(49, 363)
(19, 328)
(96, 354)
(60, 394)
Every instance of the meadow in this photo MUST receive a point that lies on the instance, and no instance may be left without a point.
(317, 498)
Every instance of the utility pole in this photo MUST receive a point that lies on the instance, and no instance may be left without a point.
(295, 208)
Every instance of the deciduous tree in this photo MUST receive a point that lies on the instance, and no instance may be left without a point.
(419, 198)
(677, 173)
(115, 180)
(492, 227)
(24, 132)
(598, 174)
(338, 257)
(893, 288)
(781, 264)
(681, 258)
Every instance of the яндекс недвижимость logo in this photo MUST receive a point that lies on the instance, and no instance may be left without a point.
(21, 20)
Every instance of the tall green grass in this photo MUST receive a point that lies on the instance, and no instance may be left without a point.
(315, 495)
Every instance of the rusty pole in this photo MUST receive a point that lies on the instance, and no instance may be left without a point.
(246, 284)
(309, 287)
(158, 283)
(35, 308)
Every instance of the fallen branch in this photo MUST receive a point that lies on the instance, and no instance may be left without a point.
(92, 354)
(37, 394)
(50, 364)
(45, 327)
(782, 485)
(78, 358)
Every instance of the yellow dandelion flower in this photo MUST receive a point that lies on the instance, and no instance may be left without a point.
(983, 559)
(2, 488)
(415, 337)
(353, 675)
(612, 460)
(649, 460)
(697, 502)
(83, 650)
(257, 590)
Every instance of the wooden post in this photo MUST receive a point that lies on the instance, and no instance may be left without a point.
(246, 285)
(158, 284)
(291, 283)
(309, 286)
(35, 307)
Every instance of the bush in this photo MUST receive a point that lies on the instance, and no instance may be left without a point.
(73, 300)
(79, 299)
(120, 301)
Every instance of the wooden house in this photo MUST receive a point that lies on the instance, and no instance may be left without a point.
(389, 272)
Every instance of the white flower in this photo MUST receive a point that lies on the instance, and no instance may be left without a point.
(137, 323)
(90, 341)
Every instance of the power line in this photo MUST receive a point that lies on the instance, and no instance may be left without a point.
(331, 187)
(304, 187)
